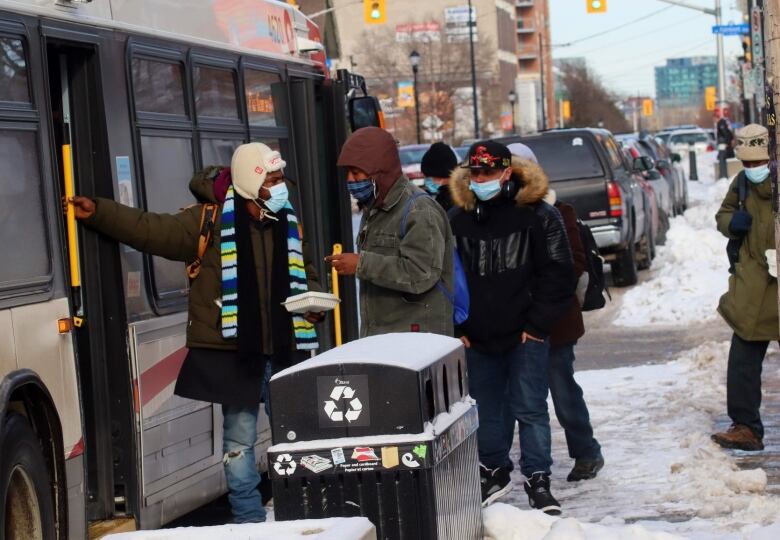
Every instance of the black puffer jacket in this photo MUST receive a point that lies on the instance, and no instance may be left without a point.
(517, 260)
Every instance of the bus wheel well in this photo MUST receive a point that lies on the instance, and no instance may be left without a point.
(24, 393)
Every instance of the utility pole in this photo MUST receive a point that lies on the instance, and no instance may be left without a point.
(474, 100)
(772, 59)
(718, 14)
(543, 85)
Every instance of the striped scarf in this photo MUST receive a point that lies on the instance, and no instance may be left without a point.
(305, 334)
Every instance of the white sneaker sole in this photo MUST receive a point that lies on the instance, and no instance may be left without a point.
(497, 495)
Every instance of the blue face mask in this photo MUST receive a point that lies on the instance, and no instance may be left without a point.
(362, 190)
(279, 197)
(757, 174)
(486, 190)
(431, 186)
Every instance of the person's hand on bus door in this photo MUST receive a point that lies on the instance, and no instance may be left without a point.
(84, 206)
(344, 263)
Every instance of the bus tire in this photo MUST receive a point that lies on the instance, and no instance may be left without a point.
(26, 507)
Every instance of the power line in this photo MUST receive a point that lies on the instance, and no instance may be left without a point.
(634, 68)
(614, 28)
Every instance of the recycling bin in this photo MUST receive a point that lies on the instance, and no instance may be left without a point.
(381, 427)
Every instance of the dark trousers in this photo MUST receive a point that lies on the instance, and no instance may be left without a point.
(569, 404)
(743, 383)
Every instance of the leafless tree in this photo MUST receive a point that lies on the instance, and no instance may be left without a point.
(592, 105)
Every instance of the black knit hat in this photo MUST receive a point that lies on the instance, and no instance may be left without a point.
(488, 155)
(438, 161)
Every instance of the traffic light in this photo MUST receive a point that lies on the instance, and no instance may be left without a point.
(709, 98)
(374, 11)
(647, 107)
(747, 49)
(566, 109)
(597, 6)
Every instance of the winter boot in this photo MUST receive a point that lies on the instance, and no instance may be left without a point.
(495, 483)
(585, 469)
(739, 437)
(538, 489)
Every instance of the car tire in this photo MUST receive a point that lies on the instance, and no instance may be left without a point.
(624, 267)
(663, 227)
(646, 250)
(26, 506)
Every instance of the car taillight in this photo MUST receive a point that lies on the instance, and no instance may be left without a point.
(415, 175)
(710, 148)
(615, 200)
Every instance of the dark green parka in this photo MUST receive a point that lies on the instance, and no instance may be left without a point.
(750, 305)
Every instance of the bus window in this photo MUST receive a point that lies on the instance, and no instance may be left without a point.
(167, 166)
(217, 151)
(22, 222)
(13, 71)
(158, 87)
(215, 93)
(259, 100)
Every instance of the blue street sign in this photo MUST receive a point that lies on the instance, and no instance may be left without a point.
(731, 29)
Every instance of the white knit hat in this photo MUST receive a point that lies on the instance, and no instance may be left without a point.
(752, 143)
(250, 165)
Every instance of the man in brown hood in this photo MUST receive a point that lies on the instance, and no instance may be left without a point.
(404, 260)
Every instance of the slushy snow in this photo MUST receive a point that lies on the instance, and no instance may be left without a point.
(690, 272)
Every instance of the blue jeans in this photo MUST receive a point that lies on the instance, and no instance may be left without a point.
(570, 407)
(239, 436)
(508, 387)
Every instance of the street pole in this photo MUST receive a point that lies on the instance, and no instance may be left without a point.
(474, 100)
(543, 86)
(772, 59)
(721, 61)
(416, 104)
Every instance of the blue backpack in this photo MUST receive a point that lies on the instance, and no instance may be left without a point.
(459, 298)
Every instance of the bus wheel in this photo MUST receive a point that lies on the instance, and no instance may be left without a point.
(26, 509)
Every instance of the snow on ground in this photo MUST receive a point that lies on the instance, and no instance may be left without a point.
(662, 473)
(691, 270)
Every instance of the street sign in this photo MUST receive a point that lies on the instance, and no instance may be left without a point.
(756, 36)
(731, 29)
(432, 122)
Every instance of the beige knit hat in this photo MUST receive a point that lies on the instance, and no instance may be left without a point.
(752, 143)
(250, 165)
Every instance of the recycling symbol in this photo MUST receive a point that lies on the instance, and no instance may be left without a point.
(338, 395)
(285, 465)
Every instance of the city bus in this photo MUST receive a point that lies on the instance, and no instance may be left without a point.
(126, 99)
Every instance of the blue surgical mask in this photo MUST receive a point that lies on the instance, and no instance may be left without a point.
(362, 190)
(431, 186)
(486, 190)
(279, 197)
(757, 174)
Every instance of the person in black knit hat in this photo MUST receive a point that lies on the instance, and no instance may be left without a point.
(437, 164)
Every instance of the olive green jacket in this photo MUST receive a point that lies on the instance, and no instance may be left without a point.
(399, 276)
(750, 305)
(175, 237)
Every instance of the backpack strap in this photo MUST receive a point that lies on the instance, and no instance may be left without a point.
(208, 217)
(407, 209)
(742, 189)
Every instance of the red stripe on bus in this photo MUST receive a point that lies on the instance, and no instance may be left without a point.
(77, 450)
(158, 377)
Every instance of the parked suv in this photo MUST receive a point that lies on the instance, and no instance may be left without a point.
(587, 169)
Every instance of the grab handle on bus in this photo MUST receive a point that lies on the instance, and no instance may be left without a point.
(337, 249)
(73, 239)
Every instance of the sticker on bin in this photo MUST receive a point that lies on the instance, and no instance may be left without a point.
(311, 302)
(315, 463)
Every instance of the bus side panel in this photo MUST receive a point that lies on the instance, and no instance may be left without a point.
(74, 474)
(181, 439)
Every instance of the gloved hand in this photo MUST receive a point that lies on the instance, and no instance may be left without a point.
(740, 224)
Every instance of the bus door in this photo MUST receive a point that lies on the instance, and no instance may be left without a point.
(81, 156)
(319, 125)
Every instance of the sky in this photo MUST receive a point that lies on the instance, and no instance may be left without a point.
(638, 35)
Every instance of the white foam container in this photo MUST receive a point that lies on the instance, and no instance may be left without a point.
(311, 301)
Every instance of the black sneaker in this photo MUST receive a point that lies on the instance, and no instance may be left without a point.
(538, 489)
(495, 483)
(585, 469)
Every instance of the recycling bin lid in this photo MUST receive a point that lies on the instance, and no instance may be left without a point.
(408, 350)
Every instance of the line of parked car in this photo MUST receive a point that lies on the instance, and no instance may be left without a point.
(625, 187)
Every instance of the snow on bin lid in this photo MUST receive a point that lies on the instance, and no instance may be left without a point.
(354, 528)
(411, 350)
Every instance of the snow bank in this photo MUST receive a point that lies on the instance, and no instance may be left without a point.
(357, 528)
(691, 270)
(504, 522)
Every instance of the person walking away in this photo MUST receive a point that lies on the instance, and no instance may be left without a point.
(236, 325)
(725, 137)
(750, 305)
(404, 260)
(437, 165)
(567, 396)
(517, 293)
